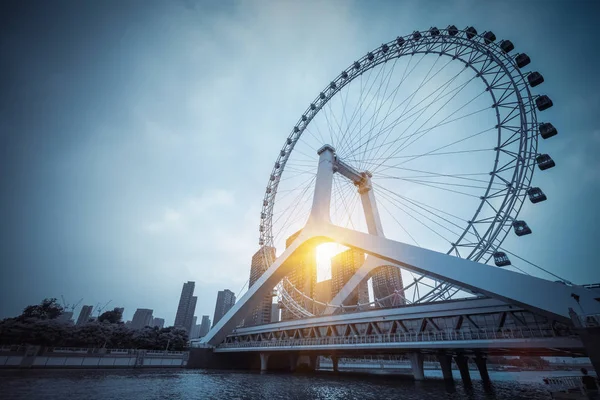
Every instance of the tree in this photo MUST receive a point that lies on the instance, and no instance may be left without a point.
(47, 309)
(112, 317)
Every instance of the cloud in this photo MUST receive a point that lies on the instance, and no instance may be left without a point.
(194, 211)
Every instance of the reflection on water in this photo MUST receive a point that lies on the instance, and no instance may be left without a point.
(202, 384)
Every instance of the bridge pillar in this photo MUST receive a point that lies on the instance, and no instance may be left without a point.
(312, 361)
(589, 333)
(446, 365)
(462, 362)
(335, 363)
(293, 362)
(416, 364)
(481, 362)
(264, 361)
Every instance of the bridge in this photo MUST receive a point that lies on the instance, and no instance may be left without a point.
(501, 312)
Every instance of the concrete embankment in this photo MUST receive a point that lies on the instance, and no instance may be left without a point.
(66, 357)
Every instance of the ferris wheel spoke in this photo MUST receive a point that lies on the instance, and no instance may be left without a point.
(418, 220)
(411, 204)
(399, 224)
(377, 110)
(403, 117)
(354, 127)
(293, 213)
(421, 204)
(445, 121)
(402, 146)
(448, 177)
(396, 90)
(438, 223)
(437, 149)
(362, 97)
(350, 132)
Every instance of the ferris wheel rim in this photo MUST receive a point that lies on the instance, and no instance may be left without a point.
(523, 168)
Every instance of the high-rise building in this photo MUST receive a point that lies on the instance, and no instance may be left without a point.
(195, 334)
(65, 316)
(387, 280)
(158, 322)
(141, 318)
(302, 279)
(187, 307)
(343, 267)
(323, 295)
(204, 326)
(225, 300)
(274, 312)
(84, 315)
(261, 261)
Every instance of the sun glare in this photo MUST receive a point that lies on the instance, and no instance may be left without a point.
(324, 254)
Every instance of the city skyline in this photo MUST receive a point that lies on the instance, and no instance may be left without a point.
(129, 160)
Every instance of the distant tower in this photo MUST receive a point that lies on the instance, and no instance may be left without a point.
(261, 261)
(141, 318)
(343, 267)
(387, 280)
(274, 312)
(187, 307)
(303, 277)
(225, 300)
(158, 323)
(322, 294)
(204, 326)
(84, 315)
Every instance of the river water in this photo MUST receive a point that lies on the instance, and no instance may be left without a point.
(209, 384)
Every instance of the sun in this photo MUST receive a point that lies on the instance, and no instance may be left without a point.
(325, 252)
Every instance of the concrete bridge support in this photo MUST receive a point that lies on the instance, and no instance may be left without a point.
(335, 363)
(293, 362)
(481, 362)
(462, 362)
(446, 365)
(416, 364)
(264, 361)
(312, 362)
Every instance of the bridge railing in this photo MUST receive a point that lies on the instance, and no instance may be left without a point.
(404, 337)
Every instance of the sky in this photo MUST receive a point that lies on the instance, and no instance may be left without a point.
(137, 137)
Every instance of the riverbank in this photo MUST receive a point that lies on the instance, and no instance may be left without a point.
(38, 357)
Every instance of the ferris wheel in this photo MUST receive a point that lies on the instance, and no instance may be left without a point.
(445, 124)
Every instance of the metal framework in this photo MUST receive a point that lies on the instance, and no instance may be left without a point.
(515, 151)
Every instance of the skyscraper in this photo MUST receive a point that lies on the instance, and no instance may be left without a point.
(274, 312)
(261, 261)
(225, 300)
(141, 318)
(343, 267)
(84, 315)
(387, 280)
(187, 307)
(158, 322)
(195, 334)
(204, 326)
(303, 278)
(322, 294)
